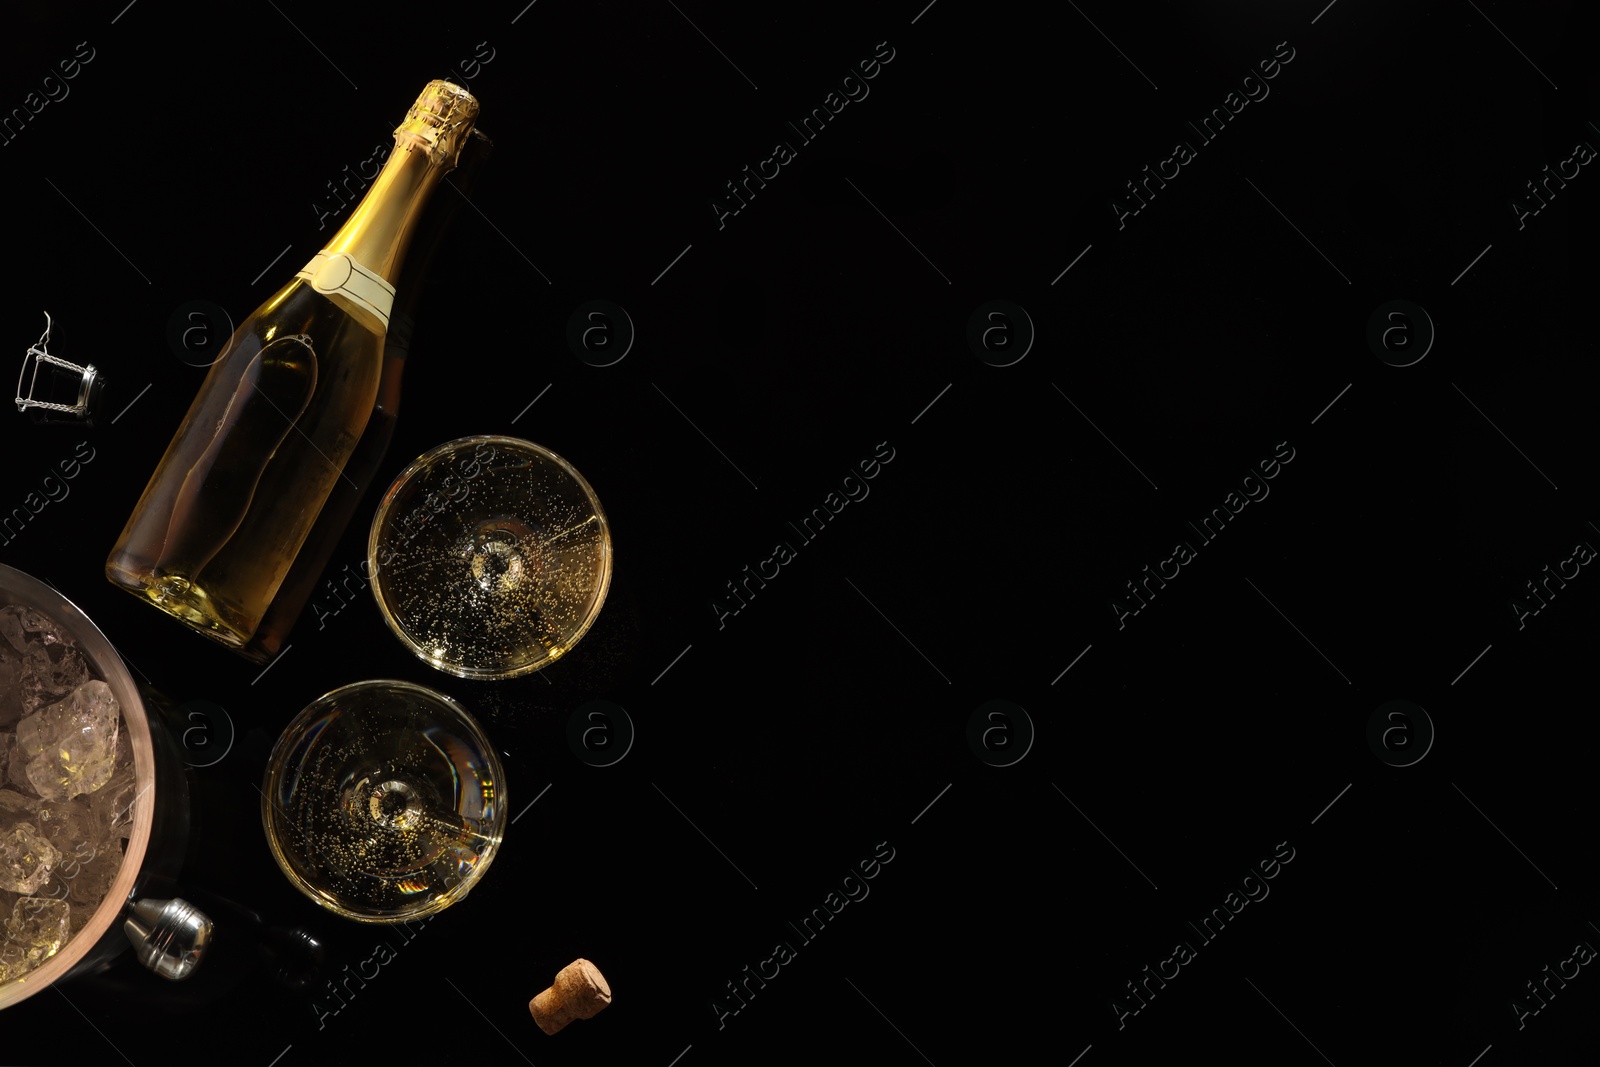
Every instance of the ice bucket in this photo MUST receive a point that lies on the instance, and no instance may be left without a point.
(168, 935)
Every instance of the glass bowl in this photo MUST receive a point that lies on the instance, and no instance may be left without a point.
(489, 557)
(384, 801)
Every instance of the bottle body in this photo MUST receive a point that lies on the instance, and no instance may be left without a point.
(239, 490)
(263, 444)
(307, 571)
(345, 495)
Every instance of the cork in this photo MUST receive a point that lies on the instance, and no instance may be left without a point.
(579, 992)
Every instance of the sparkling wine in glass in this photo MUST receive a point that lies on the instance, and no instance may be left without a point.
(490, 557)
(384, 801)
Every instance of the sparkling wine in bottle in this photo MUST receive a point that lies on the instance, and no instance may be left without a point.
(309, 566)
(277, 418)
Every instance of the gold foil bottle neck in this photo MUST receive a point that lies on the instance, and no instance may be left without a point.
(439, 122)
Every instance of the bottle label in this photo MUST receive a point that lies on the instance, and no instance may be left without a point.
(338, 273)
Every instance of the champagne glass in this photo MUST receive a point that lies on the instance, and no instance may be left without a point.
(384, 801)
(490, 557)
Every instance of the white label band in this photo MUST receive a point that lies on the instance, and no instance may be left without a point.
(338, 273)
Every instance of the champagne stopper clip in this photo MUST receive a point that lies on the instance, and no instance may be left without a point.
(63, 381)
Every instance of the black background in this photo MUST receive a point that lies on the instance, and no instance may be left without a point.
(829, 317)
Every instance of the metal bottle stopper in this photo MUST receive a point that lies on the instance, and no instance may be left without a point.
(169, 936)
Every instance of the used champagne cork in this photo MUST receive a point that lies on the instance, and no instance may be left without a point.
(579, 992)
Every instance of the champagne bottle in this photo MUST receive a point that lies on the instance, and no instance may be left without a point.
(241, 485)
(348, 492)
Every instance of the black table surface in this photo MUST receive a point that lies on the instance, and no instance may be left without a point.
(1069, 281)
